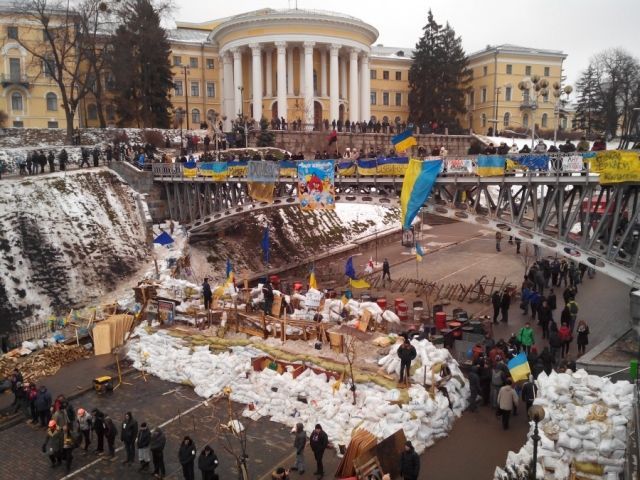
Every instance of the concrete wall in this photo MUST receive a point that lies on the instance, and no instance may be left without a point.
(310, 142)
(142, 182)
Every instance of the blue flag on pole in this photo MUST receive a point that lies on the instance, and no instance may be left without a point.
(265, 244)
(163, 239)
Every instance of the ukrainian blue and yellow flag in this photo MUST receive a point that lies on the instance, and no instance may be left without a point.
(490, 165)
(350, 272)
(218, 171)
(416, 187)
(419, 252)
(313, 283)
(346, 168)
(404, 140)
(190, 169)
(229, 272)
(519, 367)
(367, 166)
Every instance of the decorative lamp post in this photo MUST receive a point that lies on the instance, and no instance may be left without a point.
(536, 414)
(530, 103)
(557, 94)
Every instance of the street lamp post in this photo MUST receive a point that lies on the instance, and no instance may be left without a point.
(536, 414)
(557, 94)
(186, 93)
(540, 87)
(244, 119)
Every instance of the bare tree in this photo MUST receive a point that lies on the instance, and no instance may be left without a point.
(350, 354)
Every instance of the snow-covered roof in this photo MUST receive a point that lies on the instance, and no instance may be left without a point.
(394, 53)
(517, 49)
(187, 35)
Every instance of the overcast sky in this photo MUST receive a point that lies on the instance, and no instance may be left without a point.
(578, 27)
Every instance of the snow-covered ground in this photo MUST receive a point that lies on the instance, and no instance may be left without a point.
(66, 239)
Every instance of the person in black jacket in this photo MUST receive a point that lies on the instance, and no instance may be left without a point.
(98, 427)
(187, 456)
(407, 353)
(63, 157)
(43, 404)
(474, 388)
(207, 294)
(318, 441)
(409, 463)
(128, 436)
(110, 433)
(144, 439)
(207, 463)
(158, 441)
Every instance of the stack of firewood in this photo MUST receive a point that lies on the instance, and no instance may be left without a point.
(42, 363)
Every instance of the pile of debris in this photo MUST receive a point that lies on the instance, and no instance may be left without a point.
(44, 362)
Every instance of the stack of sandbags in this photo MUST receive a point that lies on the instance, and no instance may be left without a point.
(585, 425)
(310, 398)
(428, 357)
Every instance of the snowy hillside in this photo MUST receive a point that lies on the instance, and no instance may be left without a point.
(65, 241)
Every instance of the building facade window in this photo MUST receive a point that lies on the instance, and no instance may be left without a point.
(527, 70)
(399, 76)
(16, 102)
(483, 120)
(483, 95)
(385, 74)
(92, 112)
(18, 124)
(53, 124)
(373, 74)
(195, 116)
(52, 102)
(193, 62)
(507, 94)
(545, 98)
(211, 89)
(507, 119)
(546, 71)
(14, 69)
(211, 116)
(398, 99)
(525, 96)
(111, 113)
(195, 89)
(12, 32)
(385, 98)
(509, 69)
(545, 120)
(525, 120)
(48, 67)
(177, 61)
(210, 64)
(485, 70)
(177, 87)
(472, 98)
(374, 98)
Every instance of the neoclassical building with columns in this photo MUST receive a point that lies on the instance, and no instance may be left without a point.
(295, 64)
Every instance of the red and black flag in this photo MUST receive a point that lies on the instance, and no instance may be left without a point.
(333, 137)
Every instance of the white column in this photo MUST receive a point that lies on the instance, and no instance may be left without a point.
(323, 72)
(256, 54)
(228, 109)
(343, 77)
(290, 72)
(301, 72)
(308, 84)
(354, 105)
(334, 99)
(281, 72)
(268, 58)
(237, 81)
(365, 88)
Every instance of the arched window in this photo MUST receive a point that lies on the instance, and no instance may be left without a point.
(92, 112)
(525, 120)
(52, 102)
(111, 113)
(211, 115)
(398, 120)
(385, 119)
(195, 116)
(507, 119)
(544, 120)
(483, 120)
(16, 102)
(374, 119)
(315, 83)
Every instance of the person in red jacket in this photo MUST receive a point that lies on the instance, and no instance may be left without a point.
(598, 145)
(565, 338)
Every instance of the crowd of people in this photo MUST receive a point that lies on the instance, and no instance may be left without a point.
(476, 147)
(69, 429)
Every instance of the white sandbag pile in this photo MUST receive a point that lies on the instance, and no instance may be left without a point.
(309, 398)
(428, 355)
(585, 427)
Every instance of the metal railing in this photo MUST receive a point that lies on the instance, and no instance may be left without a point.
(33, 331)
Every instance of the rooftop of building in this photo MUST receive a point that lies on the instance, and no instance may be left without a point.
(517, 50)
(391, 53)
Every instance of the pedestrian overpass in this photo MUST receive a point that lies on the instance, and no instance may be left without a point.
(570, 214)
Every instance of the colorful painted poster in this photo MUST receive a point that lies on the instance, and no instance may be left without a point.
(215, 170)
(616, 166)
(460, 165)
(572, 163)
(316, 189)
(237, 169)
(264, 172)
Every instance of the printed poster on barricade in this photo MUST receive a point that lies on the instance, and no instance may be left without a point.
(263, 172)
(616, 166)
(459, 165)
(572, 163)
(316, 190)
